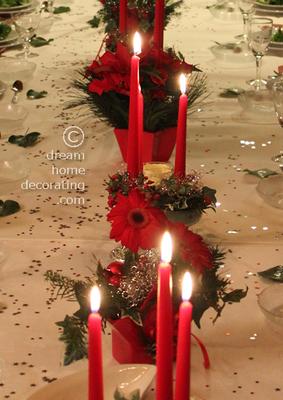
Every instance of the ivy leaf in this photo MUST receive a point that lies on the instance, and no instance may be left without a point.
(34, 95)
(235, 296)
(8, 207)
(38, 41)
(231, 92)
(261, 173)
(61, 9)
(24, 140)
(274, 273)
(4, 31)
(94, 22)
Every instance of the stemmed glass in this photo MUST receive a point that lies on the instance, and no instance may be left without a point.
(271, 188)
(26, 26)
(247, 9)
(277, 90)
(259, 36)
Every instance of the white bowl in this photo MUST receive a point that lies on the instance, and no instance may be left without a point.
(12, 115)
(12, 69)
(270, 301)
(12, 173)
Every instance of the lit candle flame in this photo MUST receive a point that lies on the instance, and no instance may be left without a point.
(187, 287)
(95, 299)
(137, 43)
(183, 83)
(166, 248)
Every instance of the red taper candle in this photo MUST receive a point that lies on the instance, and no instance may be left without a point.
(123, 16)
(95, 368)
(141, 110)
(158, 34)
(180, 157)
(183, 363)
(164, 339)
(134, 112)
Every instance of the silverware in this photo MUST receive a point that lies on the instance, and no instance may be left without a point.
(17, 88)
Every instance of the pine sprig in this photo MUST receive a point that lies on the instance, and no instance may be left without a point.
(74, 335)
(113, 108)
(63, 286)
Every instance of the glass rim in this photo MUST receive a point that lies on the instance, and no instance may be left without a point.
(260, 20)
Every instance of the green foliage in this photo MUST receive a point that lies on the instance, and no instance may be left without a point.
(273, 274)
(38, 41)
(28, 140)
(12, 3)
(35, 95)
(113, 108)
(8, 207)
(61, 10)
(142, 10)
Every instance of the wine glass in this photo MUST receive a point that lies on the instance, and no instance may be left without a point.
(277, 90)
(247, 9)
(271, 188)
(26, 26)
(259, 37)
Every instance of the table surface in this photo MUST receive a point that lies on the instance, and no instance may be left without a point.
(246, 354)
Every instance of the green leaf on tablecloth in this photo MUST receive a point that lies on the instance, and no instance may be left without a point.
(8, 207)
(261, 173)
(34, 95)
(94, 22)
(274, 273)
(38, 41)
(4, 31)
(61, 9)
(235, 296)
(24, 140)
(231, 92)
(135, 395)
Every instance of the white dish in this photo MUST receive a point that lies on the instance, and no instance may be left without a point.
(16, 8)
(12, 173)
(231, 53)
(271, 190)
(270, 301)
(12, 69)
(127, 378)
(257, 101)
(225, 11)
(3, 88)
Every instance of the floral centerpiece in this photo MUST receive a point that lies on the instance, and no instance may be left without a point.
(128, 283)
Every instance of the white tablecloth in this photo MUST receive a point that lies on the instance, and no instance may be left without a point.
(246, 355)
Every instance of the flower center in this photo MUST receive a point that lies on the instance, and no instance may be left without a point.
(137, 218)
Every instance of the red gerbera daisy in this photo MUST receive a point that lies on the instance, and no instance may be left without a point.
(192, 248)
(135, 222)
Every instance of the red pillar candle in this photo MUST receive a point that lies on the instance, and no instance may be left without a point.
(159, 24)
(180, 158)
(95, 372)
(183, 363)
(134, 112)
(164, 339)
(123, 16)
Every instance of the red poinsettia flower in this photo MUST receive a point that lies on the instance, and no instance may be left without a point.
(135, 222)
(192, 248)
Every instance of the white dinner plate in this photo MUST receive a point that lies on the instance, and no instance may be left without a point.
(127, 378)
(16, 8)
(269, 7)
(13, 36)
(231, 53)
